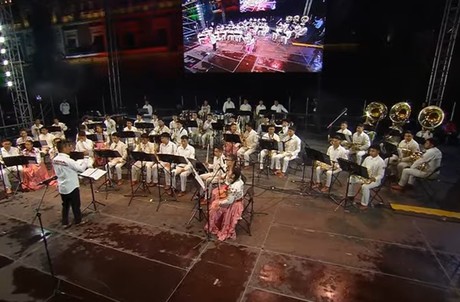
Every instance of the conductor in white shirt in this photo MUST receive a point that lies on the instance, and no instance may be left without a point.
(278, 108)
(67, 171)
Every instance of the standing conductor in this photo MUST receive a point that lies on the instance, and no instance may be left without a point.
(67, 171)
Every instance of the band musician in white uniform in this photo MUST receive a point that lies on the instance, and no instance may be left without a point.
(361, 143)
(250, 139)
(146, 147)
(8, 150)
(86, 146)
(397, 163)
(208, 132)
(422, 167)
(218, 169)
(272, 136)
(335, 151)
(166, 147)
(375, 169)
(292, 145)
(183, 170)
(118, 162)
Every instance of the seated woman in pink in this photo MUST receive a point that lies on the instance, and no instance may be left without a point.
(34, 173)
(227, 207)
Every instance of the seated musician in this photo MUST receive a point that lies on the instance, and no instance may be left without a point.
(292, 145)
(35, 129)
(407, 147)
(218, 167)
(230, 147)
(147, 147)
(161, 128)
(422, 167)
(118, 162)
(207, 136)
(85, 123)
(360, 143)
(424, 133)
(259, 107)
(102, 142)
(375, 169)
(86, 146)
(23, 138)
(166, 147)
(110, 124)
(246, 107)
(57, 123)
(250, 139)
(271, 136)
(194, 132)
(179, 132)
(284, 129)
(345, 131)
(265, 121)
(205, 109)
(154, 120)
(130, 141)
(183, 170)
(46, 139)
(232, 120)
(6, 151)
(227, 207)
(53, 152)
(173, 123)
(335, 151)
(34, 173)
(278, 108)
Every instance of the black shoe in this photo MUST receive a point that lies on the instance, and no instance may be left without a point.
(66, 226)
(81, 222)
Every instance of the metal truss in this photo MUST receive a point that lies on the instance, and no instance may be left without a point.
(13, 55)
(444, 51)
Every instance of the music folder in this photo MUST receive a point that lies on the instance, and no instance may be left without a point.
(107, 153)
(232, 138)
(175, 159)
(93, 173)
(268, 144)
(145, 125)
(342, 136)
(76, 155)
(54, 129)
(19, 160)
(353, 168)
(128, 134)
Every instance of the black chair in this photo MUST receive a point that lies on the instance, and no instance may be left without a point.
(248, 211)
(375, 192)
(427, 182)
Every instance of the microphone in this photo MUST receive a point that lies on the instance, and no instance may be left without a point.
(47, 181)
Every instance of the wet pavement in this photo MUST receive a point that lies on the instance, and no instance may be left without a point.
(302, 249)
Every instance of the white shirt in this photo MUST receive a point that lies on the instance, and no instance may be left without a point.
(111, 126)
(205, 109)
(375, 167)
(279, 108)
(260, 107)
(34, 153)
(345, 132)
(146, 148)
(432, 157)
(424, 134)
(172, 125)
(251, 139)
(64, 108)
(133, 129)
(284, 131)
(20, 140)
(12, 152)
(178, 133)
(122, 149)
(139, 121)
(158, 130)
(49, 138)
(63, 127)
(334, 154)
(292, 145)
(149, 109)
(228, 105)
(86, 145)
(169, 148)
(245, 107)
(67, 171)
(362, 140)
(187, 152)
(207, 126)
(217, 163)
(36, 131)
(412, 146)
(274, 137)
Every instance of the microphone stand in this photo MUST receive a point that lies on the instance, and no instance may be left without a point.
(56, 292)
(344, 111)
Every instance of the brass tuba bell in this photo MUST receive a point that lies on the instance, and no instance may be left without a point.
(374, 113)
(399, 115)
(431, 117)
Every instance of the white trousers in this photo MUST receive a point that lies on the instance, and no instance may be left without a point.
(365, 189)
(136, 168)
(208, 137)
(408, 176)
(118, 165)
(165, 166)
(276, 161)
(245, 153)
(328, 175)
(183, 173)
(6, 172)
(359, 156)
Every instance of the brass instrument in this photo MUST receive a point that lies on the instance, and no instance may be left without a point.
(352, 146)
(399, 115)
(415, 156)
(365, 181)
(374, 113)
(431, 117)
(323, 166)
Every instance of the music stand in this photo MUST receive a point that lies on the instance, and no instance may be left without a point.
(155, 138)
(218, 125)
(197, 209)
(93, 175)
(142, 157)
(145, 125)
(127, 135)
(92, 137)
(92, 126)
(171, 159)
(270, 145)
(191, 124)
(200, 168)
(52, 129)
(263, 112)
(107, 153)
(231, 111)
(245, 114)
(76, 155)
(390, 149)
(343, 137)
(18, 160)
(353, 169)
(314, 155)
(232, 138)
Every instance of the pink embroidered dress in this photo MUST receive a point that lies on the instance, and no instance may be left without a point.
(33, 173)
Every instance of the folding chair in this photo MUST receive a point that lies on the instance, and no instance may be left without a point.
(375, 192)
(427, 182)
(248, 211)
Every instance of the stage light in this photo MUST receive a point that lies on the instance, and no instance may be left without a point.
(8, 74)
(3, 51)
(9, 83)
(2, 39)
(5, 62)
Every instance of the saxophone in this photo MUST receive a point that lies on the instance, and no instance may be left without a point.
(323, 166)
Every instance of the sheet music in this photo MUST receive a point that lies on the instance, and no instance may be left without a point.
(93, 173)
(195, 174)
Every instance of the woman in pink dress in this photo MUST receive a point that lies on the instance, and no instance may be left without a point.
(34, 173)
(227, 207)
(102, 142)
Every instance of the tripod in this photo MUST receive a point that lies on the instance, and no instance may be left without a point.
(142, 158)
(353, 169)
(56, 292)
(108, 182)
(92, 178)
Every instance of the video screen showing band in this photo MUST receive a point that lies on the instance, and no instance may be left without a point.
(233, 36)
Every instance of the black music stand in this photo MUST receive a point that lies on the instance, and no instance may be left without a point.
(270, 145)
(17, 161)
(200, 168)
(142, 157)
(245, 114)
(92, 137)
(231, 111)
(76, 155)
(263, 112)
(218, 125)
(127, 135)
(389, 149)
(314, 155)
(191, 124)
(93, 175)
(197, 212)
(36, 144)
(92, 126)
(52, 129)
(145, 126)
(107, 153)
(171, 159)
(232, 138)
(155, 138)
(343, 137)
(353, 169)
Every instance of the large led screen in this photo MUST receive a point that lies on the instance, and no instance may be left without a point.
(233, 36)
